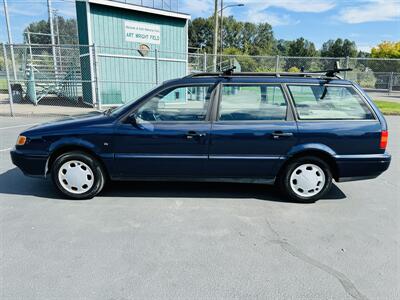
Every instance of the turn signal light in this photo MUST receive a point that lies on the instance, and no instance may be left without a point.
(384, 139)
(21, 140)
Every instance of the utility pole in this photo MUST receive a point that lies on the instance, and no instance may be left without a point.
(215, 45)
(52, 36)
(220, 28)
(10, 41)
(58, 39)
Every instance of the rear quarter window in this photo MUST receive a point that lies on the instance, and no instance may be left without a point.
(324, 102)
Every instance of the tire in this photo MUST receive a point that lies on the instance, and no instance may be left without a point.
(78, 175)
(306, 179)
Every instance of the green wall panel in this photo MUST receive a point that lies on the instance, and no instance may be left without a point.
(124, 74)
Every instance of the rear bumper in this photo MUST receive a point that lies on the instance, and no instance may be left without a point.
(30, 164)
(360, 167)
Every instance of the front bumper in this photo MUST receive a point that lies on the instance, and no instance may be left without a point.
(364, 166)
(31, 164)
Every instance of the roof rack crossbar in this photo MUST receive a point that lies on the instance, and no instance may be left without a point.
(327, 74)
(255, 74)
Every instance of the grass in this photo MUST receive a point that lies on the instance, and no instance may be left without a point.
(388, 108)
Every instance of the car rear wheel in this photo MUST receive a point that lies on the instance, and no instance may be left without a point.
(78, 175)
(306, 179)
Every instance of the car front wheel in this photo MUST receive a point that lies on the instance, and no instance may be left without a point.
(78, 175)
(306, 179)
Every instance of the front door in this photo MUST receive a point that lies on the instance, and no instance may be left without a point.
(168, 135)
(252, 132)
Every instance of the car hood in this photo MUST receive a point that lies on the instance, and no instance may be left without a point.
(71, 122)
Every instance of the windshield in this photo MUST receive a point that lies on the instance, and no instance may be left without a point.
(114, 111)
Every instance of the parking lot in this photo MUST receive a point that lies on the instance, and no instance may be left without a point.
(197, 240)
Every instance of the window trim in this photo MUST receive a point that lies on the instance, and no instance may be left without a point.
(207, 119)
(289, 115)
(296, 114)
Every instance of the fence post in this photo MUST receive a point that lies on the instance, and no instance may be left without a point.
(205, 61)
(92, 74)
(277, 64)
(8, 81)
(156, 64)
(390, 86)
(347, 62)
(96, 68)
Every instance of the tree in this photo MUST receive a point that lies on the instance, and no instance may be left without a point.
(201, 33)
(67, 31)
(386, 50)
(249, 38)
(339, 48)
(301, 47)
(282, 47)
(38, 27)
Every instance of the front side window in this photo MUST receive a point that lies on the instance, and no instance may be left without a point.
(252, 103)
(322, 102)
(189, 103)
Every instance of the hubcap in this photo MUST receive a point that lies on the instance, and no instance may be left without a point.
(76, 177)
(307, 180)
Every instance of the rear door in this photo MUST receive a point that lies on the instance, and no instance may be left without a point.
(252, 132)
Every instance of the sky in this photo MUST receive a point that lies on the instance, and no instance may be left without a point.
(367, 22)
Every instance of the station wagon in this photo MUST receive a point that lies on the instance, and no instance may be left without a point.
(299, 131)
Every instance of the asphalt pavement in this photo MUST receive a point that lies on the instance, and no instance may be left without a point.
(197, 240)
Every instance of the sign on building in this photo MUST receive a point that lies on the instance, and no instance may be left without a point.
(142, 32)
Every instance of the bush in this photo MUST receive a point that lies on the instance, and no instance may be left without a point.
(294, 70)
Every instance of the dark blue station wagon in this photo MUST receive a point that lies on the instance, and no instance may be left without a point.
(298, 131)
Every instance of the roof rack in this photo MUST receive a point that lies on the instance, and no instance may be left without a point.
(327, 74)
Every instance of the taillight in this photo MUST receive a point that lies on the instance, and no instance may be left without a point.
(384, 139)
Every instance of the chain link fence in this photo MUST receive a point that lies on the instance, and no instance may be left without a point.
(71, 79)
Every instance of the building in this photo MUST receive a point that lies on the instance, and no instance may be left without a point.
(135, 48)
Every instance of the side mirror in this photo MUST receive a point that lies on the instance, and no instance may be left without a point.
(132, 119)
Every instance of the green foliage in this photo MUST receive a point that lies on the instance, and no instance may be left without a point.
(201, 33)
(248, 38)
(39, 27)
(388, 108)
(339, 48)
(294, 70)
(386, 50)
(365, 79)
(67, 30)
(301, 47)
(2, 64)
(283, 47)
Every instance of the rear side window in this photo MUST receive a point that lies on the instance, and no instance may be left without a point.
(252, 103)
(322, 102)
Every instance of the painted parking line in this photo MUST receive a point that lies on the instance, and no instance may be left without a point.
(17, 126)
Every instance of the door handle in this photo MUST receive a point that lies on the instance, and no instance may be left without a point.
(279, 134)
(194, 134)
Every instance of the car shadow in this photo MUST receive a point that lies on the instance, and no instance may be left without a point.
(14, 182)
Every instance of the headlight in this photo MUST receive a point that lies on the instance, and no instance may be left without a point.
(21, 140)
